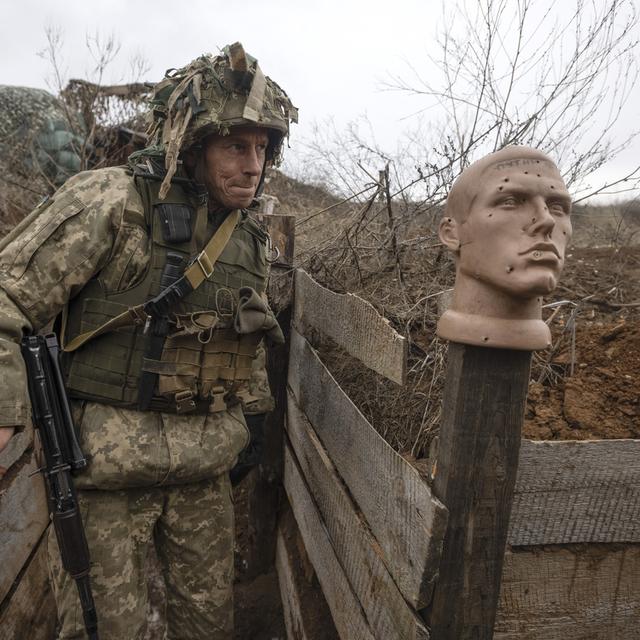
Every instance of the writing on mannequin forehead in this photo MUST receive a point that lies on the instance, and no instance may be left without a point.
(524, 162)
(514, 182)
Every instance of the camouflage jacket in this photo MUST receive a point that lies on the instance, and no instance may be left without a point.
(85, 229)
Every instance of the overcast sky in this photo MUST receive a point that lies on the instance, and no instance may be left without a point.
(330, 56)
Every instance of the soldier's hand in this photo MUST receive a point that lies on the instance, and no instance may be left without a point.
(5, 436)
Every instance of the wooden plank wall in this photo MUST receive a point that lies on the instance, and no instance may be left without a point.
(577, 592)
(573, 571)
(384, 486)
(573, 492)
(373, 578)
(355, 547)
(27, 609)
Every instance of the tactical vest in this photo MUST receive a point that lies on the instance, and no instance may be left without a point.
(203, 359)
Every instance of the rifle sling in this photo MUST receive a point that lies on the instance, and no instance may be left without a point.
(196, 273)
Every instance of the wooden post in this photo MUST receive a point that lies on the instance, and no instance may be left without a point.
(477, 461)
(266, 491)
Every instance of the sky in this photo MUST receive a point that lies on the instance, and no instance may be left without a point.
(332, 58)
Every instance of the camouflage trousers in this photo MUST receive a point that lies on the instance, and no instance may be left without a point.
(192, 528)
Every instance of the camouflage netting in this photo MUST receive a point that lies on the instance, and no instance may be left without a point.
(35, 132)
(39, 150)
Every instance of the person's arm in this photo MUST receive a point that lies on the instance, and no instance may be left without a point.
(45, 261)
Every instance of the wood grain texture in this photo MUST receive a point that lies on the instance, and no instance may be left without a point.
(476, 466)
(405, 518)
(357, 550)
(345, 609)
(30, 612)
(353, 324)
(23, 518)
(571, 492)
(294, 614)
(306, 614)
(581, 592)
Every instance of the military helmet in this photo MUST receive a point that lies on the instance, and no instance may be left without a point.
(211, 95)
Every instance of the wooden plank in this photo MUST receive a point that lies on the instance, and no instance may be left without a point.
(571, 492)
(347, 613)
(482, 415)
(407, 521)
(294, 613)
(357, 551)
(306, 614)
(582, 592)
(353, 324)
(23, 518)
(31, 611)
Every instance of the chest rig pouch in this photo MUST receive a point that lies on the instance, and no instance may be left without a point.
(200, 357)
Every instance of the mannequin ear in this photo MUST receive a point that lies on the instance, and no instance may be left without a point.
(449, 234)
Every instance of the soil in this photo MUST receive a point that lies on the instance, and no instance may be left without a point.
(258, 607)
(601, 400)
(591, 390)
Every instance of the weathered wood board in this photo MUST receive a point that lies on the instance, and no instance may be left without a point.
(357, 551)
(306, 614)
(346, 611)
(385, 487)
(353, 324)
(294, 614)
(483, 405)
(31, 611)
(583, 592)
(23, 518)
(572, 492)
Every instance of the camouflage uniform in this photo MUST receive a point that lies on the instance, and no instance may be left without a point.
(153, 477)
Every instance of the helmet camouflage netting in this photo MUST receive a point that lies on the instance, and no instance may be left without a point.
(211, 95)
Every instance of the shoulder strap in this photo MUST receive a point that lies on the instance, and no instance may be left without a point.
(202, 267)
(195, 274)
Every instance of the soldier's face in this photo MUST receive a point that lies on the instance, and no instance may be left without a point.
(234, 164)
(515, 235)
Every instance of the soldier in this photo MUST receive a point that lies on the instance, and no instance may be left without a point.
(158, 400)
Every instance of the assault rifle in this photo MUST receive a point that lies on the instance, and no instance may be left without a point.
(62, 458)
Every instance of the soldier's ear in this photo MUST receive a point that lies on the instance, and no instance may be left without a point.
(449, 232)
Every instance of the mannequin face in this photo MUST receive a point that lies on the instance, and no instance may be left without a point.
(516, 232)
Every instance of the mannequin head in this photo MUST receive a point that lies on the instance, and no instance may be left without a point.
(507, 222)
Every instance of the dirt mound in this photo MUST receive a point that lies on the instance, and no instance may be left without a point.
(601, 399)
